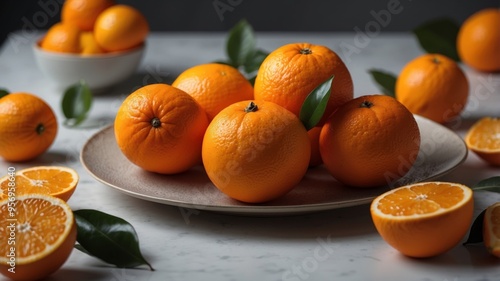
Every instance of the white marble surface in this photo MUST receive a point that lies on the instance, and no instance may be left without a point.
(184, 244)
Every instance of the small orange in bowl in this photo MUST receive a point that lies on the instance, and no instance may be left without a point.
(424, 219)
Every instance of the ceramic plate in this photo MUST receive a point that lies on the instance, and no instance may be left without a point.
(441, 150)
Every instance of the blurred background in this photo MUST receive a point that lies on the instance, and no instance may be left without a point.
(279, 15)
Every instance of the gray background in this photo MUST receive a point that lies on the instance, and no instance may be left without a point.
(202, 15)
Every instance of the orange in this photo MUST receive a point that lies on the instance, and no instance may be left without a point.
(83, 13)
(49, 180)
(314, 134)
(478, 40)
(424, 219)
(484, 139)
(214, 86)
(44, 232)
(120, 27)
(160, 129)
(88, 44)
(370, 141)
(255, 151)
(434, 87)
(491, 229)
(28, 126)
(63, 38)
(291, 72)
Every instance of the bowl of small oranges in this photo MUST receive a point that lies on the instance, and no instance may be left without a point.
(97, 41)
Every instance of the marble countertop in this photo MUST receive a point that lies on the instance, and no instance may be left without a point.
(182, 244)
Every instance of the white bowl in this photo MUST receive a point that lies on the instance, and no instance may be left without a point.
(98, 71)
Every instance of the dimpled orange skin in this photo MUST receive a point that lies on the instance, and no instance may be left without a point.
(120, 27)
(370, 141)
(62, 38)
(434, 87)
(83, 13)
(160, 129)
(478, 41)
(256, 156)
(28, 127)
(291, 72)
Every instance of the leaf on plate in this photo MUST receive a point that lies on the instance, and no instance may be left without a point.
(385, 80)
(108, 238)
(3, 92)
(439, 36)
(489, 184)
(76, 103)
(476, 230)
(240, 43)
(314, 105)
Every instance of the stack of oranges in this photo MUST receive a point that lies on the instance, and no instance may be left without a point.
(250, 140)
(94, 27)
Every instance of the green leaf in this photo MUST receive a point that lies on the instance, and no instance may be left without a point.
(76, 103)
(314, 105)
(386, 81)
(439, 36)
(108, 238)
(476, 230)
(240, 43)
(489, 184)
(3, 92)
(254, 60)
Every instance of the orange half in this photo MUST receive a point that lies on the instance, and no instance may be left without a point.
(491, 229)
(484, 139)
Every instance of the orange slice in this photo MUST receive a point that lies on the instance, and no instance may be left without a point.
(423, 219)
(60, 182)
(491, 229)
(484, 139)
(38, 235)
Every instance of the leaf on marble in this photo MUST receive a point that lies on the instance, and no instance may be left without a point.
(3, 92)
(386, 81)
(76, 103)
(240, 43)
(109, 238)
(489, 184)
(314, 105)
(439, 36)
(476, 230)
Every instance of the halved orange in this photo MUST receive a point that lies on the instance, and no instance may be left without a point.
(38, 235)
(484, 139)
(491, 229)
(423, 219)
(57, 181)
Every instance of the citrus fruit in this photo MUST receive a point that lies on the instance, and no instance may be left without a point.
(291, 72)
(370, 141)
(28, 126)
(160, 129)
(314, 134)
(120, 27)
(491, 229)
(88, 44)
(484, 139)
(478, 40)
(83, 13)
(255, 151)
(423, 219)
(214, 86)
(49, 180)
(44, 234)
(434, 87)
(63, 38)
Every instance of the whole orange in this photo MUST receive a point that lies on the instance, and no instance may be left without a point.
(478, 40)
(291, 72)
(255, 151)
(89, 45)
(28, 126)
(160, 129)
(370, 141)
(434, 87)
(83, 13)
(214, 86)
(64, 38)
(120, 27)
